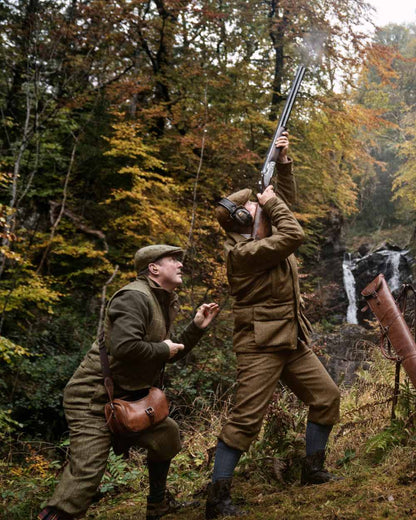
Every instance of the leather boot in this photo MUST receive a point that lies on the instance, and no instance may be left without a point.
(219, 500)
(313, 471)
(51, 513)
(156, 510)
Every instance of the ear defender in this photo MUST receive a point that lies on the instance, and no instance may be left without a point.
(237, 213)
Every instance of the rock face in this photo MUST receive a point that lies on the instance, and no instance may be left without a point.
(348, 347)
(394, 263)
(345, 350)
(330, 293)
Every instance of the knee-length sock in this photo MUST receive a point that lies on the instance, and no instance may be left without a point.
(316, 437)
(226, 459)
(158, 474)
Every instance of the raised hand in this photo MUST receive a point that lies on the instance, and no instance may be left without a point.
(282, 142)
(205, 314)
(267, 194)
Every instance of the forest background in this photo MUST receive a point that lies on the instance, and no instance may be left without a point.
(122, 124)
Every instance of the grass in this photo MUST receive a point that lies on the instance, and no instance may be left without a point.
(375, 457)
(366, 492)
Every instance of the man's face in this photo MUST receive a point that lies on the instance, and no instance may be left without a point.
(251, 207)
(167, 272)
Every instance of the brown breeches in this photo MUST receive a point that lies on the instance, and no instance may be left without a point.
(257, 377)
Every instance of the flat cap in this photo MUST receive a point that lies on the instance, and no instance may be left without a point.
(146, 255)
(223, 215)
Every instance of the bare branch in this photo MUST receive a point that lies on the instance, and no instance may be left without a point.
(80, 225)
(201, 156)
(102, 307)
(58, 219)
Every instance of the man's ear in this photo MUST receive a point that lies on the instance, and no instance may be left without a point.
(153, 269)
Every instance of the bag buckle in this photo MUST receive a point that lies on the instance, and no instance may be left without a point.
(150, 412)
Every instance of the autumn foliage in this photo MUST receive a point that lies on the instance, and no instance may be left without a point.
(124, 122)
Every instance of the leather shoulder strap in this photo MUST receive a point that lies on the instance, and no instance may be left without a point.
(105, 365)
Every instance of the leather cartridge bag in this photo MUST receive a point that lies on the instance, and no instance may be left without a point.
(126, 417)
(392, 322)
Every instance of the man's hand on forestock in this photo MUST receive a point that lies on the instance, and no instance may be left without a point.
(267, 194)
(282, 142)
(205, 314)
(173, 347)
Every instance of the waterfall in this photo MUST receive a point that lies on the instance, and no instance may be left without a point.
(349, 284)
(359, 271)
(394, 259)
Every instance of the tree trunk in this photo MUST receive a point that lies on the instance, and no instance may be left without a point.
(278, 23)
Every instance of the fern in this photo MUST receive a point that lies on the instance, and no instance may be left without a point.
(380, 444)
(118, 473)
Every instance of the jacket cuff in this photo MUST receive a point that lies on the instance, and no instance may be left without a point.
(284, 168)
(195, 331)
(162, 350)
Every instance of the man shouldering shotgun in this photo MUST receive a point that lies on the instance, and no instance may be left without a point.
(271, 334)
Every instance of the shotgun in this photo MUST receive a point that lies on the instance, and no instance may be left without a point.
(262, 226)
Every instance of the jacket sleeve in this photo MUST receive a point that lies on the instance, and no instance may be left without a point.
(259, 255)
(189, 337)
(129, 313)
(285, 184)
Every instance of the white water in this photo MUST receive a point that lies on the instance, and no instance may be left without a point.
(394, 282)
(394, 260)
(349, 284)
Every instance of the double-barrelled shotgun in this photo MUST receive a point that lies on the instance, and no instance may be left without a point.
(261, 227)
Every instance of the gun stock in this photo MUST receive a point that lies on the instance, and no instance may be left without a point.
(262, 226)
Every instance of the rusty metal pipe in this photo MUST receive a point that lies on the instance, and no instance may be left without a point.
(384, 306)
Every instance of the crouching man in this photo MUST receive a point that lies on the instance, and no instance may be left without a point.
(138, 322)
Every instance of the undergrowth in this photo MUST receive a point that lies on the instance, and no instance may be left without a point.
(374, 452)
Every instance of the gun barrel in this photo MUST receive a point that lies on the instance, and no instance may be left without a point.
(266, 175)
(262, 226)
(381, 302)
(292, 96)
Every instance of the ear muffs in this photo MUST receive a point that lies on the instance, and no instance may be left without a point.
(237, 213)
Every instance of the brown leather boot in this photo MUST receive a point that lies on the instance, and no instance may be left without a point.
(51, 513)
(313, 471)
(219, 501)
(156, 510)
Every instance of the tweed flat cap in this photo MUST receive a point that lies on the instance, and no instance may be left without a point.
(146, 255)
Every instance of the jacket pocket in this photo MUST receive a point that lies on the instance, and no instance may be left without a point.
(275, 326)
(275, 333)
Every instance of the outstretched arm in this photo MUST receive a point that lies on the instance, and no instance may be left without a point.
(195, 330)
(284, 179)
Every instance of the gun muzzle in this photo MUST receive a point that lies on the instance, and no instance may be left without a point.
(381, 302)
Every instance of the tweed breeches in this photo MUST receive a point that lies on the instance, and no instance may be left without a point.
(257, 377)
(90, 444)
